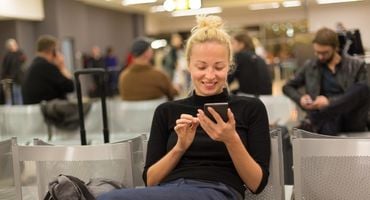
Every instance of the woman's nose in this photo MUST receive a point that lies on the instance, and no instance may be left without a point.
(210, 74)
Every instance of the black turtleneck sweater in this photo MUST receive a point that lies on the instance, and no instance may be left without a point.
(207, 159)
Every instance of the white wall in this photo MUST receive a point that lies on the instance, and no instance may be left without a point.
(353, 16)
(22, 9)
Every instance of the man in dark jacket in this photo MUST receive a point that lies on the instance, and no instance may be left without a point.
(336, 90)
(47, 78)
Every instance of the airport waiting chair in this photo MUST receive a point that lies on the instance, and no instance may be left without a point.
(113, 161)
(280, 109)
(24, 122)
(330, 167)
(93, 127)
(132, 116)
(7, 179)
(274, 189)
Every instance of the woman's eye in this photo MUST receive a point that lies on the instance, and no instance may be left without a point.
(201, 67)
(220, 67)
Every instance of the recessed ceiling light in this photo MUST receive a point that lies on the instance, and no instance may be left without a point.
(155, 9)
(201, 11)
(293, 3)
(261, 6)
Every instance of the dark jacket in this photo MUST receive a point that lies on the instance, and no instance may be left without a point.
(43, 81)
(348, 72)
(252, 74)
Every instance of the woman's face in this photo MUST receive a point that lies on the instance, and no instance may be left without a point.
(208, 67)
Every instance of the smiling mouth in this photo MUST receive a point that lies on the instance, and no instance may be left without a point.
(209, 84)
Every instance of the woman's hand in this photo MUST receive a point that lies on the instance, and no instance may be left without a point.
(220, 131)
(185, 128)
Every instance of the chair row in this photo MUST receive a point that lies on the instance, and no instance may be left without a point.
(27, 121)
(26, 170)
(325, 167)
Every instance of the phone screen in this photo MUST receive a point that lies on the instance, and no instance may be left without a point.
(220, 108)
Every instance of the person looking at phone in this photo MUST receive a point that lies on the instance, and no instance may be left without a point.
(336, 91)
(191, 157)
(47, 78)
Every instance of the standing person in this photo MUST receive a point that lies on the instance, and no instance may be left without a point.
(111, 64)
(141, 81)
(170, 61)
(251, 71)
(47, 78)
(191, 157)
(336, 92)
(12, 68)
(95, 60)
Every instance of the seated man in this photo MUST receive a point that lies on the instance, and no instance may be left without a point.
(47, 78)
(141, 81)
(336, 91)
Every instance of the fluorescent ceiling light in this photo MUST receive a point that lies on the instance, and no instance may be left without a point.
(133, 2)
(209, 10)
(156, 44)
(169, 5)
(293, 3)
(334, 1)
(261, 6)
(195, 4)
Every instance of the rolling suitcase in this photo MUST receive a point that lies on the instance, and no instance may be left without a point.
(102, 84)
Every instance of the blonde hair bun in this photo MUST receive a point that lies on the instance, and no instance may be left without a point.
(208, 22)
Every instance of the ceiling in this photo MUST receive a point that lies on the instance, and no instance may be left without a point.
(226, 5)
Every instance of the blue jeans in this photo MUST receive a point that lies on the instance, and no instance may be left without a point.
(180, 189)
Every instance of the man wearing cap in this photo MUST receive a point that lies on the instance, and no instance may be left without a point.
(141, 81)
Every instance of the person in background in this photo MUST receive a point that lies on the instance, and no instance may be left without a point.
(141, 81)
(251, 72)
(95, 60)
(111, 64)
(47, 78)
(170, 60)
(12, 68)
(336, 92)
(190, 156)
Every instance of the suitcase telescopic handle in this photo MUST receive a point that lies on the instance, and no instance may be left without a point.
(102, 77)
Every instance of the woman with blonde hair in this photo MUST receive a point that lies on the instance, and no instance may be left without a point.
(191, 156)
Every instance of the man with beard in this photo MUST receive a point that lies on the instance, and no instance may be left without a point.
(336, 92)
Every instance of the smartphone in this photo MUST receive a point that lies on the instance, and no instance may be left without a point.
(220, 108)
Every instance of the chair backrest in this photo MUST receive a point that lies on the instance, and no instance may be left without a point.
(280, 109)
(112, 161)
(275, 186)
(132, 116)
(24, 122)
(93, 128)
(330, 167)
(8, 182)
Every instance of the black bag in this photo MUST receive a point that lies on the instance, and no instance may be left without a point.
(63, 114)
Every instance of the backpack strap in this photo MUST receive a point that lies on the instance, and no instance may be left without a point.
(81, 185)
